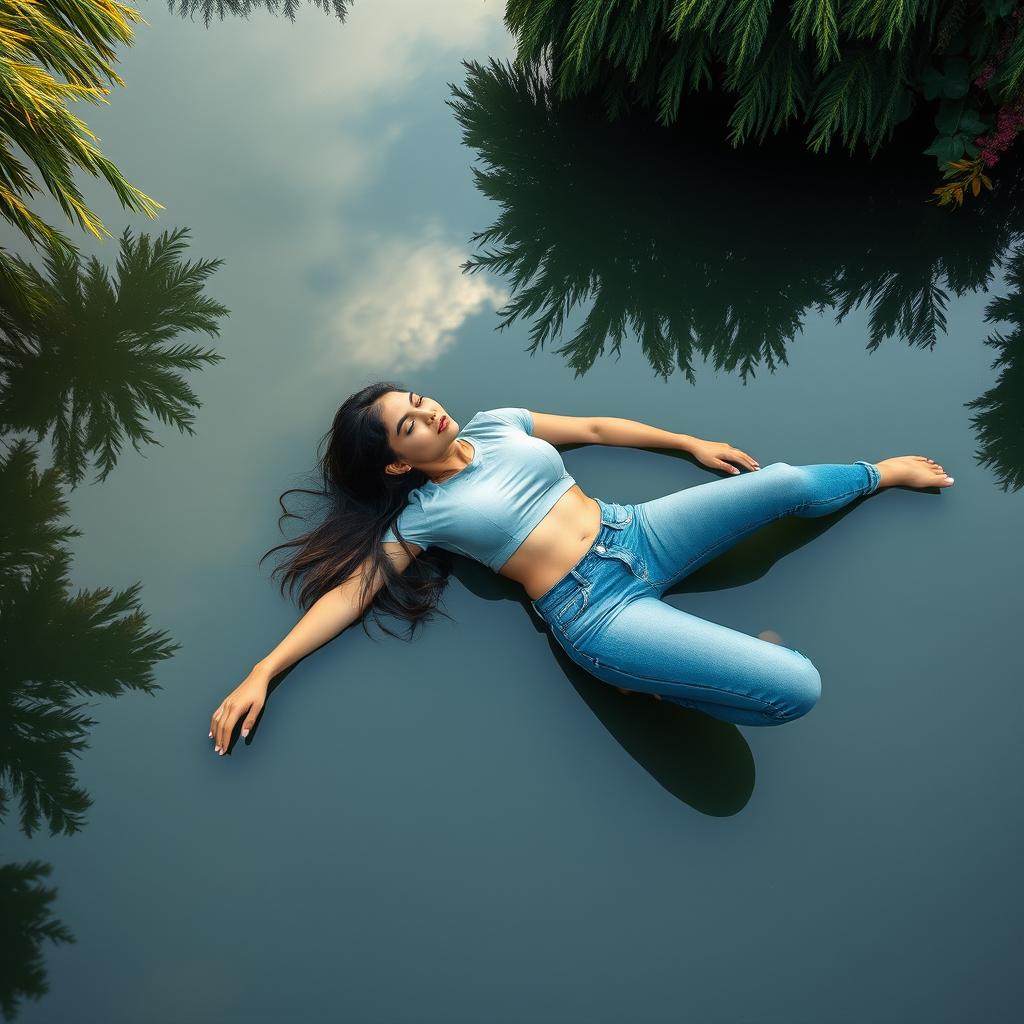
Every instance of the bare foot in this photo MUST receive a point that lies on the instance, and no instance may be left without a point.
(915, 471)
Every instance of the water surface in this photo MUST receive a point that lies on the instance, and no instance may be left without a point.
(466, 827)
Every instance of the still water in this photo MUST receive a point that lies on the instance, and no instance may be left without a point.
(468, 828)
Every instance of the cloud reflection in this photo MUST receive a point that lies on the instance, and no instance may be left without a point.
(405, 306)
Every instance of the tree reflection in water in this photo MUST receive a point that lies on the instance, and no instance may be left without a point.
(243, 8)
(702, 250)
(87, 362)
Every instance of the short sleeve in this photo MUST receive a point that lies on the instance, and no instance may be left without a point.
(519, 418)
(415, 527)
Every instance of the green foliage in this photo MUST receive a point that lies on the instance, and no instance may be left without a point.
(997, 419)
(86, 360)
(850, 72)
(951, 82)
(24, 924)
(816, 19)
(773, 92)
(39, 40)
(58, 647)
(243, 8)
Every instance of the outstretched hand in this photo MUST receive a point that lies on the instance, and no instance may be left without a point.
(246, 699)
(719, 455)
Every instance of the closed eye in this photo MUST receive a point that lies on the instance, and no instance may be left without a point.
(413, 423)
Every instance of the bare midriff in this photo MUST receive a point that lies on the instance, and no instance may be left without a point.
(555, 544)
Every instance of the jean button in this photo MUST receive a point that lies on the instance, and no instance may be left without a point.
(600, 549)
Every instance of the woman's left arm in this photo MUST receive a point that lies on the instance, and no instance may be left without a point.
(612, 430)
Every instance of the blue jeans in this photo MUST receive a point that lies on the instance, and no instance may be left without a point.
(607, 612)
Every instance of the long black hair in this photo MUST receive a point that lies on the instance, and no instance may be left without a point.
(362, 502)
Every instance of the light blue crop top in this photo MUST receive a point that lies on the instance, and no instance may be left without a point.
(488, 508)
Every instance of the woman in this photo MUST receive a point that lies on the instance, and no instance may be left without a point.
(407, 486)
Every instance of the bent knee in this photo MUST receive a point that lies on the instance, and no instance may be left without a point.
(783, 469)
(803, 690)
(787, 479)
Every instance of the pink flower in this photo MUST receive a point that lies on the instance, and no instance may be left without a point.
(1010, 117)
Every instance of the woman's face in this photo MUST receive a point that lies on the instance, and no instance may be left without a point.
(412, 422)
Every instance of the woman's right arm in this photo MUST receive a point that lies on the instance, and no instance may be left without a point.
(327, 616)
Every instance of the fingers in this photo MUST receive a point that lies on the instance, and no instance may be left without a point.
(227, 727)
(224, 719)
(215, 722)
(250, 719)
(226, 716)
(743, 459)
(220, 740)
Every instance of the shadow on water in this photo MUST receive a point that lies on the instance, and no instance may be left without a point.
(699, 249)
(84, 361)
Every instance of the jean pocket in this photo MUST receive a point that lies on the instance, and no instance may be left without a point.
(572, 608)
(618, 517)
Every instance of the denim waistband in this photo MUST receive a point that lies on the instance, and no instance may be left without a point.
(613, 518)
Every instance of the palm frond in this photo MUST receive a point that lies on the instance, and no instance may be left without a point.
(38, 41)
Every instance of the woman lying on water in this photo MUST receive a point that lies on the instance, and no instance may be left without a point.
(402, 478)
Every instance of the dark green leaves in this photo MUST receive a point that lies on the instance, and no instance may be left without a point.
(972, 124)
(851, 70)
(947, 148)
(998, 8)
(956, 116)
(951, 82)
(959, 125)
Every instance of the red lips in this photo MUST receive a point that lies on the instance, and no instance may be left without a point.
(443, 425)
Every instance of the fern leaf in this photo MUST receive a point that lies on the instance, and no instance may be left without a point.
(894, 19)
(688, 15)
(893, 74)
(843, 102)
(587, 29)
(688, 67)
(747, 25)
(1006, 82)
(670, 86)
(818, 19)
(771, 93)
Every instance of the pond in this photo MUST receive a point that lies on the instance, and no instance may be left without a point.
(468, 827)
